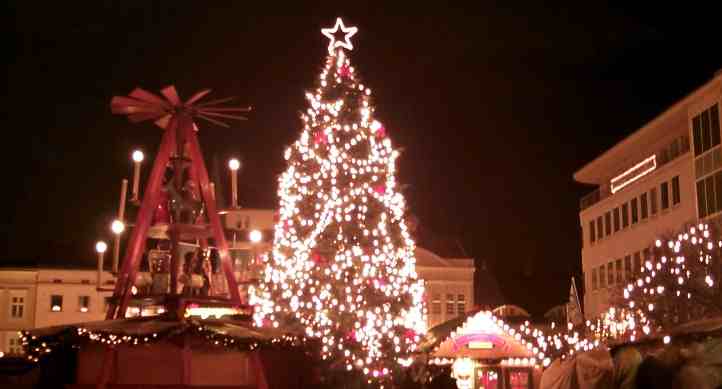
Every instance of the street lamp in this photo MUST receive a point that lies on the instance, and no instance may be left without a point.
(234, 164)
(100, 248)
(255, 236)
(137, 159)
(117, 227)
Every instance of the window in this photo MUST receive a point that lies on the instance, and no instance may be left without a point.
(436, 304)
(635, 211)
(17, 307)
(449, 304)
(107, 301)
(518, 379)
(56, 303)
(637, 263)
(619, 271)
(675, 190)
(653, 201)
(608, 223)
(15, 345)
(600, 228)
(701, 199)
(664, 192)
(594, 279)
(602, 277)
(460, 304)
(84, 303)
(591, 231)
(610, 273)
(643, 206)
(616, 219)
(706, 130)
(628, 267)
(625, 215)
(709, 193)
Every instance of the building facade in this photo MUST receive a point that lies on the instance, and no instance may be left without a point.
(449, 284)
(661, 178)
(33, 298)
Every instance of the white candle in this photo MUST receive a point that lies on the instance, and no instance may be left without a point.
(137, 159)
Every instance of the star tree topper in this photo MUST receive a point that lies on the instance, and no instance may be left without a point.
(330, 33)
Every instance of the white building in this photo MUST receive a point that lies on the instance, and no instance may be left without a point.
(43, 297)
(660, 178)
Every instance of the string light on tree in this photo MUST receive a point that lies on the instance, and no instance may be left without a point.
(343, 260)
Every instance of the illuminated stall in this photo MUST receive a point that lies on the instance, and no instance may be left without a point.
(486, 353)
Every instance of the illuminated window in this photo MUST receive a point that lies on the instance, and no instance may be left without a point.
(449, 304)
(635, 211)
(616, 219)
(706, 130)
(607, 223)
(17, 307)
(519, 379)
(56, 303)
(15, 345)
(595, 285)
(625, 215)
(637, 263)
(436, 304)
(643, 206)
(675, 190)
(460, 304)
(84, 303)
(628, 267)
(664, 192)
(610, 273)
(653, 201)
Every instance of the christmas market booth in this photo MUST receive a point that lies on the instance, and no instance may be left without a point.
(209, 346)
(484, 352)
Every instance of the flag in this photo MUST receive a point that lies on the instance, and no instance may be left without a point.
(574, 308)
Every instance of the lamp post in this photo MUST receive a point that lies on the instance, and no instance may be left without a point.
(234, 164)
(137, 159)
(118, 225)
(100, 248)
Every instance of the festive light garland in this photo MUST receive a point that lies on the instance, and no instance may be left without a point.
(36, 347)
(343, 261)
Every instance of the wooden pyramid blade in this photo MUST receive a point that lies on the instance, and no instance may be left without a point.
(198, 96)
(171, 94)
(143, 116)
(163, 121)
(144, 95)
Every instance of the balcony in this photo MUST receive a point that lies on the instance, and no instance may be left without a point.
(672, 151)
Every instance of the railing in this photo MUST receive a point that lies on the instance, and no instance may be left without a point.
(678, 147)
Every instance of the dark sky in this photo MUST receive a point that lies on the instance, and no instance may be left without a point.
(495, 106)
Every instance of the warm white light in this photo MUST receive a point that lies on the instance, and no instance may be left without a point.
(330, 34)
(255, 236)
(633, 174)
(55, 308)
(667, 339)
(84, 309)
(117, 227)
(234, 164)
(101, 246)
(138, 156)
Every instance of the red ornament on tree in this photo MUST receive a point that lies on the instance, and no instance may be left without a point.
(319, 137)
(317, 258)
(381, 131)
(344, 71)
(381, 189)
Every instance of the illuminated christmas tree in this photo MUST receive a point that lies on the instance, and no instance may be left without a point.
(343, 263)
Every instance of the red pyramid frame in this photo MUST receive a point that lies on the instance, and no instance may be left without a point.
(179, 135)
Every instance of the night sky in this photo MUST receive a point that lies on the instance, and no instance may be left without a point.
(494, 107)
